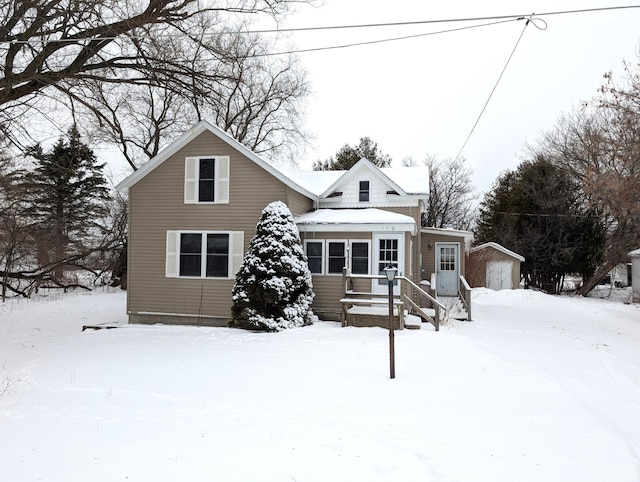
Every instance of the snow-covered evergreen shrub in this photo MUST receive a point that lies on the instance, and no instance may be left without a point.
(273, 289)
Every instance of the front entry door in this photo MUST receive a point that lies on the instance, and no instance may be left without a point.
(447, 268)
(388, 250)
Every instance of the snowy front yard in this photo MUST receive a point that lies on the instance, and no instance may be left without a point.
(537, 388)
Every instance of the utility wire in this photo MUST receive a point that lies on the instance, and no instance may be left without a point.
(379, 41)
(426, 22)
(354, 26)
(529, 19)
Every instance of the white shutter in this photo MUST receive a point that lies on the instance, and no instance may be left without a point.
(190, 179)
(237, 251)
(222, 179)
(171, 261)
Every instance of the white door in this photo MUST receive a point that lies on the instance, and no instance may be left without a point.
(447, 268)
(388, 250)
(499, 275)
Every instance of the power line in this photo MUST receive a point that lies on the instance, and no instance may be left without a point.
(353, 26)
(529, 20)
(378, 41)
(426, 22)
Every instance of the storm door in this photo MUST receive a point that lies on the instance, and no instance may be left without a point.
(447, 268)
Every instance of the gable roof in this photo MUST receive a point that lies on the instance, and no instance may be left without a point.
(497, 247)
(404, 180)
(191, 134)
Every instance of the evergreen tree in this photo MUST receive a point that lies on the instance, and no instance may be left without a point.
(538, 212)
(67, 194)
(273, 289)
(347, 156)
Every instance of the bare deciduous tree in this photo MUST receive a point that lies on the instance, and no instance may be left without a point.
(599, 144)
(157, 61)
(451, 194)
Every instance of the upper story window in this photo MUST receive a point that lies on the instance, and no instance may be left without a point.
(363, 193)
(206, 180)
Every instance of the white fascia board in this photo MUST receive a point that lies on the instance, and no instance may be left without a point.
(467, 235)
(498, 247)
(357, 227)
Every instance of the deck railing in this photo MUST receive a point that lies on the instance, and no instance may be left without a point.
(410, 292)
(464, 293)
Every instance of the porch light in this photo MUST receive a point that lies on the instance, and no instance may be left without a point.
(390, 272)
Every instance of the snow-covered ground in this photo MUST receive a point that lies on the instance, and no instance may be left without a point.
(537, 388)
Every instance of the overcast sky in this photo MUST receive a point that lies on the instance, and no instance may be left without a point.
(423, 95)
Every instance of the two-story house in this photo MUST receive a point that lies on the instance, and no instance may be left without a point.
(193, 210)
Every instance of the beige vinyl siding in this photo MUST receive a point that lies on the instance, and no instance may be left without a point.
(329, 288)
(429, 253)
(157, 205)
(412, 243)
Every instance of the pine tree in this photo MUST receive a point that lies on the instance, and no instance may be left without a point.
(273, 289)
(67, 194)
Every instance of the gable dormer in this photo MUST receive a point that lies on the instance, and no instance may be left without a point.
(366, 186)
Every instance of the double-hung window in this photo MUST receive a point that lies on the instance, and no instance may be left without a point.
(363, 192)
(315, 250)
(206, 180)
(360, 257)
(203, 254)
(336, 256)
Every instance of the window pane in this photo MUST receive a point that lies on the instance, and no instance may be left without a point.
(336, 249)
(360, 266)
(207, 168)
(217, 266)
(315, 265)
(218, 244)
(217, 255)
(205, 191)
(314, 250)
(191, 243)
(336, 265)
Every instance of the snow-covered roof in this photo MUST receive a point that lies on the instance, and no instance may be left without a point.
(467, 235)
(497, 247)
(635, 253)
(316, 182)
(358, 220)
(411, 180)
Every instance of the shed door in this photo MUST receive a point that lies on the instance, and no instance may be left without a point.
(447, 268)
(500, 275)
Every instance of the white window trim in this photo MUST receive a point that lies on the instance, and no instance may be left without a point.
(221, 180)
(362, 241)
(346, 255)
(172, 259)
(323, 254)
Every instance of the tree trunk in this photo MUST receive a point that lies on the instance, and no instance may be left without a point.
(598, 276)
